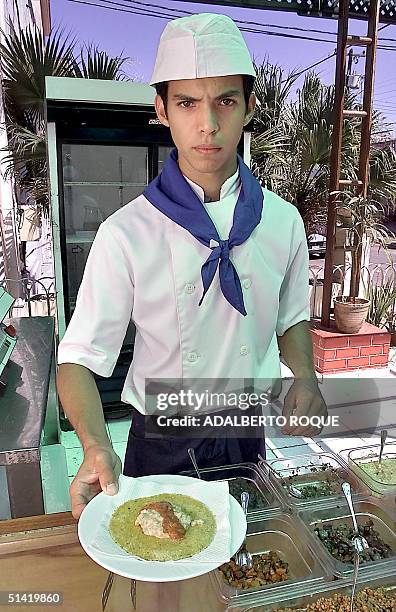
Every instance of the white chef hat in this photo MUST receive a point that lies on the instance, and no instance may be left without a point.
(201, 45)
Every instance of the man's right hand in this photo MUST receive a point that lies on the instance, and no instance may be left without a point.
(98, 472)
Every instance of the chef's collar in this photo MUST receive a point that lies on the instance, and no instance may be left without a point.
(229, 186)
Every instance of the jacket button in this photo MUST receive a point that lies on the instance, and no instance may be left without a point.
(189, 288)
(192, 357)
(247, 283)
(244, 349)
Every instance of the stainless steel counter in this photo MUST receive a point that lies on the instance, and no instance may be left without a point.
(23, 405)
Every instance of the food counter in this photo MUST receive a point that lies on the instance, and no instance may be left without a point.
(294, 565)
(27, 408)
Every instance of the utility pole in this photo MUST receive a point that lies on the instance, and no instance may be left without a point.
(340, 113)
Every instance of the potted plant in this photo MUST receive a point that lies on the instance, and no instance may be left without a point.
(350, 311)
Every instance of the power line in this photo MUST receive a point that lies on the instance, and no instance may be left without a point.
(266, 25)
(313, 65)
(149, 14)
(385, 82)
(159, 16)
(263, 25)
(122, 10)
(384, 93)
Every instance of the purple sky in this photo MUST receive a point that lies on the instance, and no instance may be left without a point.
(137, 36)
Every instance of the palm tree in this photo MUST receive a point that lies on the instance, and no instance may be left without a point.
(298, 169)
(26, 59)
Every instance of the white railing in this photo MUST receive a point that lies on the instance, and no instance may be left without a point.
(44, 302)
(379, 274)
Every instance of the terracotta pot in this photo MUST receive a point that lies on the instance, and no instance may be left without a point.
(393, 338)
(350, 314)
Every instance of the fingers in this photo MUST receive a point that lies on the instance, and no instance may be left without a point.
(81, 492)
(315, 409)
(99, 471)
(308, 430)
(106, 467)
(302, 401)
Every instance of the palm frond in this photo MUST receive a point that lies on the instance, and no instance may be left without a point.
(95, 64)
(26, 59)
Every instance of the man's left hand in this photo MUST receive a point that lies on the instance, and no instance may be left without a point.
(304, 399)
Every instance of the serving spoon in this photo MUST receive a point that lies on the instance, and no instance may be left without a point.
(243, 557)
(191, 452)
(384, 435)
(359, 542)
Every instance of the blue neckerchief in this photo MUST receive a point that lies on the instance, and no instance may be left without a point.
(174, 197)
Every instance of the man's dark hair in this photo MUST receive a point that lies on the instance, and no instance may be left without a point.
(248, 83)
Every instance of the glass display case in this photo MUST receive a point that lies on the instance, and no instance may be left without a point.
(105, 145)
(97, 181)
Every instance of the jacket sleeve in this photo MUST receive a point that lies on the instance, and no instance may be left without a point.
(103, 309)
(294, 303)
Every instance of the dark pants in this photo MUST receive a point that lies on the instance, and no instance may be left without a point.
(168, 455)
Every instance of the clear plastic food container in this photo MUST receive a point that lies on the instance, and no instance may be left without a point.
(285, 536)
(317, 477)
(369, 509)
(364, 462)
(326, 593)
(246, 476)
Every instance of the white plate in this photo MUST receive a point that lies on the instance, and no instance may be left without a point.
(153, 571)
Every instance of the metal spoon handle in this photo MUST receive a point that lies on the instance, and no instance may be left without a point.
(192, 457)
(245, 501)
(354, 579)
(346, 487)
(384, 435)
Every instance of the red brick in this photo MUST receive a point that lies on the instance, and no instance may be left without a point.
(379, 360)
(332, 364)
(360, 340)
(358, 363)
(386, 349)
(370, 350)
(325, 353)
(347, 352)
(381, 338)
(316, 340)
(334, 343)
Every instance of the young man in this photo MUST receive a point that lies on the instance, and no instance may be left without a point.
(212, 269)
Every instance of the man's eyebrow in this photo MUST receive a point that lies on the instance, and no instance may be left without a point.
(229, 92)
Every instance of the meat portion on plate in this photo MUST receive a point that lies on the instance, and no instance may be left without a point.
(163, 527)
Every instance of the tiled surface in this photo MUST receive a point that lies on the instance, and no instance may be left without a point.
(283, 441)
(55, 479)
(120, 448)
(290, 451)
(341, 444)
(5, 512)
(118, 433)
(69, 439)
(118, 430)
(269, 453)
(74, 458)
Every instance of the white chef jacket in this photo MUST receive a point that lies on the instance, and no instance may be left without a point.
(143, 266)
